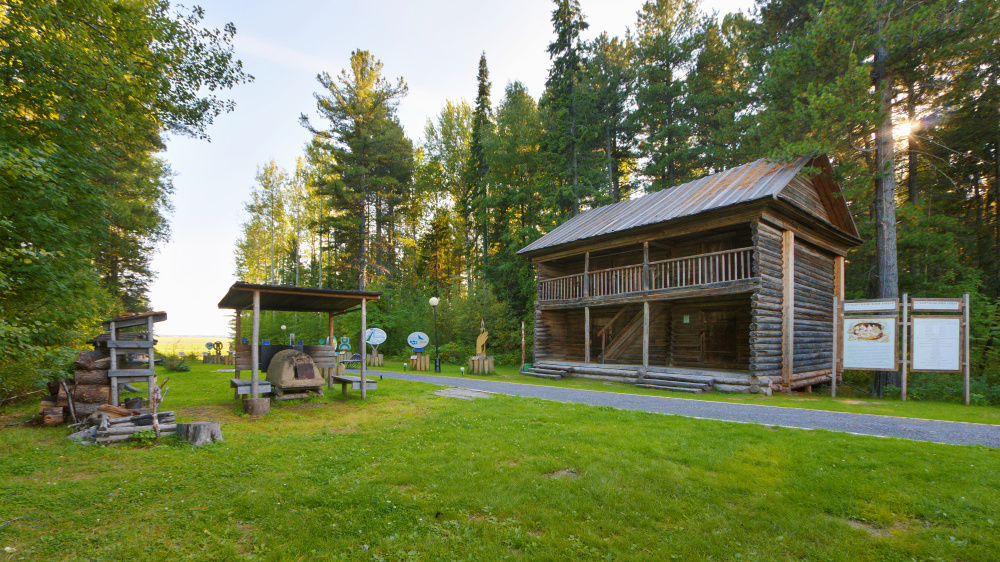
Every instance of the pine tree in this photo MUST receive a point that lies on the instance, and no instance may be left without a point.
(564, 139)
(474, 214)
(667, 40)
(370, 160)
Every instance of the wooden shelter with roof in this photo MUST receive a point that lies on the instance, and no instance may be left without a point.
(726, 282)
(248, 296)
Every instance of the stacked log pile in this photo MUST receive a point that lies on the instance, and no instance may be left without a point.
(75, 399)
(112, 424)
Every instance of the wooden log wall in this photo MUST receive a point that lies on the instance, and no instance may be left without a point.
(814, 286)
(717, 334)
(559, 335)
(765, 304)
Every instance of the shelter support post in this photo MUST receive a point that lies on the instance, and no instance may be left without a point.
(364, 349)
(255, 347)
(237, 338)
(586, 334)
(330, 341)
(788, 309)
(586, 274)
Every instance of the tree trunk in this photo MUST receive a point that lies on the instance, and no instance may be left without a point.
(887, 272)
(200, 433)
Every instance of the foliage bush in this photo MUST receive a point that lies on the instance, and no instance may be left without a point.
(176, 364)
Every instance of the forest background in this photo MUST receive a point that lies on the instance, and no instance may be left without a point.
(903, 96)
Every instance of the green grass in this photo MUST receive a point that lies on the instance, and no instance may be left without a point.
(847, 401)
(415, 476)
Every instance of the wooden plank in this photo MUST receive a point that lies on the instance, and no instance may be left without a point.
(788, 307)
(903, 363)
(965, 347)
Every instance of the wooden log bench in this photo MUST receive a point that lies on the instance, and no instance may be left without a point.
(355, 382)
(242, 386)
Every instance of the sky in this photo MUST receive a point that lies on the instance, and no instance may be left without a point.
(433, 46)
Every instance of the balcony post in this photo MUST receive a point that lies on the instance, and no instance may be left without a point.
(586, 275)
(645, 265)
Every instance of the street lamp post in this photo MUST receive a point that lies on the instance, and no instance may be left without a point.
(437, 358)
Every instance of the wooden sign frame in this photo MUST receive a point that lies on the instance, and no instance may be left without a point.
(924, 308)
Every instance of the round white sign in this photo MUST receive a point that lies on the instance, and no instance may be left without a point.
(418, 340)
(375, 336)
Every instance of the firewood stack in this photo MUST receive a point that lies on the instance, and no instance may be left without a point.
(73, 400)
(89, 388)
(112, 424)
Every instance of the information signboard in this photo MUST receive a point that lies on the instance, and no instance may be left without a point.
(869, 343)
(886, 305)
(937, 305)
(418, 340)
(937, 343)
(375, 336)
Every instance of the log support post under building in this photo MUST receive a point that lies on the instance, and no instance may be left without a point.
(788, 309)
(586, 334)
(645, 340)
(364, 349)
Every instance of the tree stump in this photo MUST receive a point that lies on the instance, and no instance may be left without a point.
(200, 433)
(258, 407)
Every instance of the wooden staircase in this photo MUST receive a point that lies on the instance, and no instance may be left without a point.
(546, 372)
(629, 334)
(675, 382)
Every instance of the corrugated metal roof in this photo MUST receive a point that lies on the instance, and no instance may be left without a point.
(293, 299)
(749, 182)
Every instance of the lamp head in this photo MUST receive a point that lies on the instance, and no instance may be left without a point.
(434, 301)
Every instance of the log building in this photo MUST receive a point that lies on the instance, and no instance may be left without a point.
(724, 283)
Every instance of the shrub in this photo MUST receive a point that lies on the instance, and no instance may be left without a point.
(176, 363)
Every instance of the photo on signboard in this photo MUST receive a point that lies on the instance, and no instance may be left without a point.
(870, 343)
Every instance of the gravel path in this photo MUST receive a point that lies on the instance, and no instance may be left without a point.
(959, 433)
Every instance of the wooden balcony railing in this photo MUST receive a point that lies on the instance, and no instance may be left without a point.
(703, 269)
(616, 281)
(559, 288)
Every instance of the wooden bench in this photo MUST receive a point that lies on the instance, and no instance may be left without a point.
(355, 382)
(242, 386)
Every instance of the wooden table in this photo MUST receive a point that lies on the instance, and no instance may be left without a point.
(242, 386)
(355, 382)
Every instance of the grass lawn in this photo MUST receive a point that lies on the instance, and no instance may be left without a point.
(409, 475)
(846, 401)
